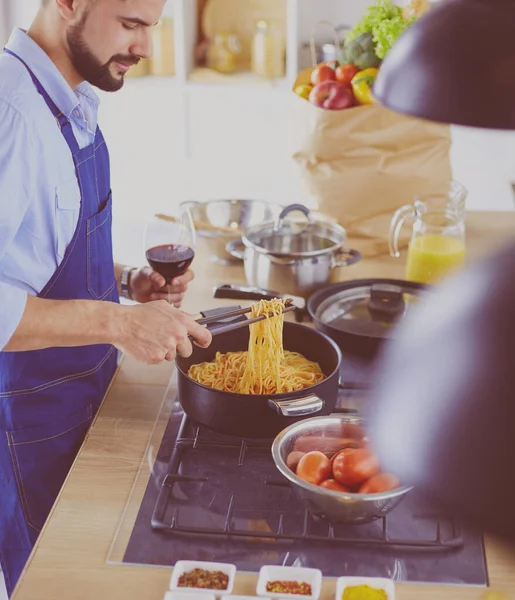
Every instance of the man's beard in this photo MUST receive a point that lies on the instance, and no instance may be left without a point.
(89, 67)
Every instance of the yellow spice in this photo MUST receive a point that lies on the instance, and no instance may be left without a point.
(363, 592)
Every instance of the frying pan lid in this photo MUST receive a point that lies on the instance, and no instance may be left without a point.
(366, 307)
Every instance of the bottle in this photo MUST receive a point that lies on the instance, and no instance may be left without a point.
(268, 50)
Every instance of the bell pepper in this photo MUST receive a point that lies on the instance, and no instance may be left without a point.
(362, 85)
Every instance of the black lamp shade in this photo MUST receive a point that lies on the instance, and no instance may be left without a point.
(455, 65)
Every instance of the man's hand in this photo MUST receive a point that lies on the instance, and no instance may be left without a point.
(156, 331)
(146, 286)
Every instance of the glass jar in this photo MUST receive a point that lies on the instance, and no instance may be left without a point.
(139, 70)
(223, 53)
(268, 50)
(163, 55)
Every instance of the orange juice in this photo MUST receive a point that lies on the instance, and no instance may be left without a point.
(431, 257)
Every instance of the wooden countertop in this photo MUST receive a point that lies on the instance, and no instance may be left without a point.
(72, 558)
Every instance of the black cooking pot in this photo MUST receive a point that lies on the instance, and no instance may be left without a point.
(260, 416)
(359, 315)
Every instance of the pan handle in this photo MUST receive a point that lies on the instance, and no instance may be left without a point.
(297, 407)
(236, 248)
(354, 256)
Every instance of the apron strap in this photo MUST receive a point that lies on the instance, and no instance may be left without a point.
(64, 122)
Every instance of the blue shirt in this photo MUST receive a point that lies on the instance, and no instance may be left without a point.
(39, 193)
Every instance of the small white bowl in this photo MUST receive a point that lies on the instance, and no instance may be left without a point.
(184, 566)
(300, 574)
(380, 583)
(174, 595)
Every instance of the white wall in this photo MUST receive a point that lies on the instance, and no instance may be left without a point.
(23, 11)
(485, 162)
(169, 142)
(220, 142)
(4, 22)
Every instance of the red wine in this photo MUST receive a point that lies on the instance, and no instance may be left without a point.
(170, 260)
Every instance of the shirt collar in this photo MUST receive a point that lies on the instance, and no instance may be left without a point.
(64, 97)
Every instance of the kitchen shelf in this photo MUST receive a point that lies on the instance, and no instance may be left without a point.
(205, 76)
(206, 79)
(302, 15)
(157, 80)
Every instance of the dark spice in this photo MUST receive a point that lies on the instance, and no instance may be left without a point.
(200, 578)
(289, 587)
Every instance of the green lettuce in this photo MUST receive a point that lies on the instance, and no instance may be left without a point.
(384, 21)
(387, 33)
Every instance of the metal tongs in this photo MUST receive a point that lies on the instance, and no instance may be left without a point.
(213, 320)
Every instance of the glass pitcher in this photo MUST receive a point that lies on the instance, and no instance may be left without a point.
(437, 245)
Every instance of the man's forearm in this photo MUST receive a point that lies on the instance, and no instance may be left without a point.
(51, 323)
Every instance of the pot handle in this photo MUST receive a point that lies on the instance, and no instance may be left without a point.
(242, 292)
(236, 248)
(354, 257)
(297, 407)
(287, 210)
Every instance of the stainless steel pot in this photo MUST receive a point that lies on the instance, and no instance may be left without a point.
(221, 221)
(336, 506)
(292, 257)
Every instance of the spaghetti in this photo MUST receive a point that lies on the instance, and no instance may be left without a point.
(265, 368)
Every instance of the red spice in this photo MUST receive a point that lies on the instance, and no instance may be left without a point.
(200, 578)
(289, 587)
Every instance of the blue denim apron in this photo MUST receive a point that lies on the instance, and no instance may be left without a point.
(49, 397)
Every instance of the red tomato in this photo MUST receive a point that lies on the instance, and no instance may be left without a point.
(322, 73)
(332, 484)
(345, 73)
(381, 482)
(354, 465)
(314, 467)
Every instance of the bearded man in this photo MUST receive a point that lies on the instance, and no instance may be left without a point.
(61, 323)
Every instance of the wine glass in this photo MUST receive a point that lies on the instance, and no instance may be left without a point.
(170, 244)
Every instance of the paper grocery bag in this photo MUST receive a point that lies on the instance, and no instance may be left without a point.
(361, 164)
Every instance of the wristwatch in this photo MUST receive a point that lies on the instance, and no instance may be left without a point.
(125, 281)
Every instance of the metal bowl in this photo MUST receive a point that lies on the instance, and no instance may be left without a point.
(335, 506)
(221, 221)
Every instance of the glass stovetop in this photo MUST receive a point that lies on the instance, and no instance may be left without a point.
(205, 496)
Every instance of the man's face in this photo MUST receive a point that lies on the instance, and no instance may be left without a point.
(109, 37)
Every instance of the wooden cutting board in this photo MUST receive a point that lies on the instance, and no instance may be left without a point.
(240, 17)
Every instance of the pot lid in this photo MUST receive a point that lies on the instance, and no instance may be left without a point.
(369, 307)
(295, 238)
